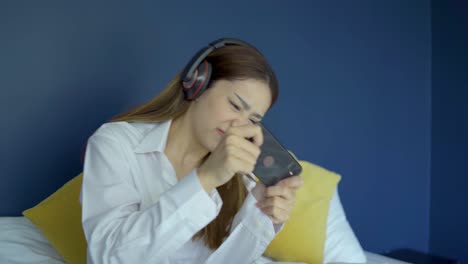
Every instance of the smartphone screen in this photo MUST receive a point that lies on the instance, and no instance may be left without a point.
(275, 162)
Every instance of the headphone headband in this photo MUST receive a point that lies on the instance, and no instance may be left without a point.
(204, 52)
(197, 73)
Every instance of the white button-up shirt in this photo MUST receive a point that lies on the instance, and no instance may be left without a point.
(134, 210)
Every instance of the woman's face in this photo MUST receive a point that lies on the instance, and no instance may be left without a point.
(227, 104)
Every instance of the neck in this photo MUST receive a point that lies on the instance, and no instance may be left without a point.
(183, 148)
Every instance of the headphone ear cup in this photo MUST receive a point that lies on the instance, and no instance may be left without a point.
(197, 84)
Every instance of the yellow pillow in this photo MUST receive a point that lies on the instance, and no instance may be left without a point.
(303, 236)
(59, 219)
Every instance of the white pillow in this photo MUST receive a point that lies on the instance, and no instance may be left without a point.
(341, 244)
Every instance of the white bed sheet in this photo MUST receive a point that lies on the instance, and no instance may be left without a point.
(22, 243)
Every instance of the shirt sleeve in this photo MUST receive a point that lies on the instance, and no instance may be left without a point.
(116, 230)
(251, 233)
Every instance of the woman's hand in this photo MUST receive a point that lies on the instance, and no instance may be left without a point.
(234, 154)
(278, 201)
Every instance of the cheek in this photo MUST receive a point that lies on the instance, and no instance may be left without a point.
(219, 111)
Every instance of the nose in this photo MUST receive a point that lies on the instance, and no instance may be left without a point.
(240, 121)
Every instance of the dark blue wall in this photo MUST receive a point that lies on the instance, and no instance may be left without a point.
(449, 209)
(355, 91)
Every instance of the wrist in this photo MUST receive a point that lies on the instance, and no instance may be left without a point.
(205, 181)
(259, 191)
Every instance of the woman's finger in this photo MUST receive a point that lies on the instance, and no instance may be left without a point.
(276, 201)
(242, 147)
(248, 131)
(291, 182)
(285, 192)
(277, 215)
(244, 164)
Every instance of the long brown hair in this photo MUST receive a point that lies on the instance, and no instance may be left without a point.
(229, 63)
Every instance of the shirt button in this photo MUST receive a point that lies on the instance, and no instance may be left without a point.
(258, 223)
(268, 234)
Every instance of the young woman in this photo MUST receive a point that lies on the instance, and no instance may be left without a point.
(165, 182)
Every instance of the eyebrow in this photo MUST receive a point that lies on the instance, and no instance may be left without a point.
(247, 106)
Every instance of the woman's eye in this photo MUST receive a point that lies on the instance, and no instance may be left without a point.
(235, 106)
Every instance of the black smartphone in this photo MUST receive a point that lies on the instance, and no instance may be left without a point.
(275, 162)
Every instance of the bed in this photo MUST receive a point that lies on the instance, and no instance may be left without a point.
(21, 242)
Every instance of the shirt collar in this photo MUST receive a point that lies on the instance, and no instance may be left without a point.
(155, 139)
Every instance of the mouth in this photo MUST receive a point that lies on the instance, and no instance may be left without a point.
(220, 132)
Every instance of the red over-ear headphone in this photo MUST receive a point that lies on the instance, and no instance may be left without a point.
(196, 75)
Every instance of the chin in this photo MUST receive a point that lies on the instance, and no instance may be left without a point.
(213, 144)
